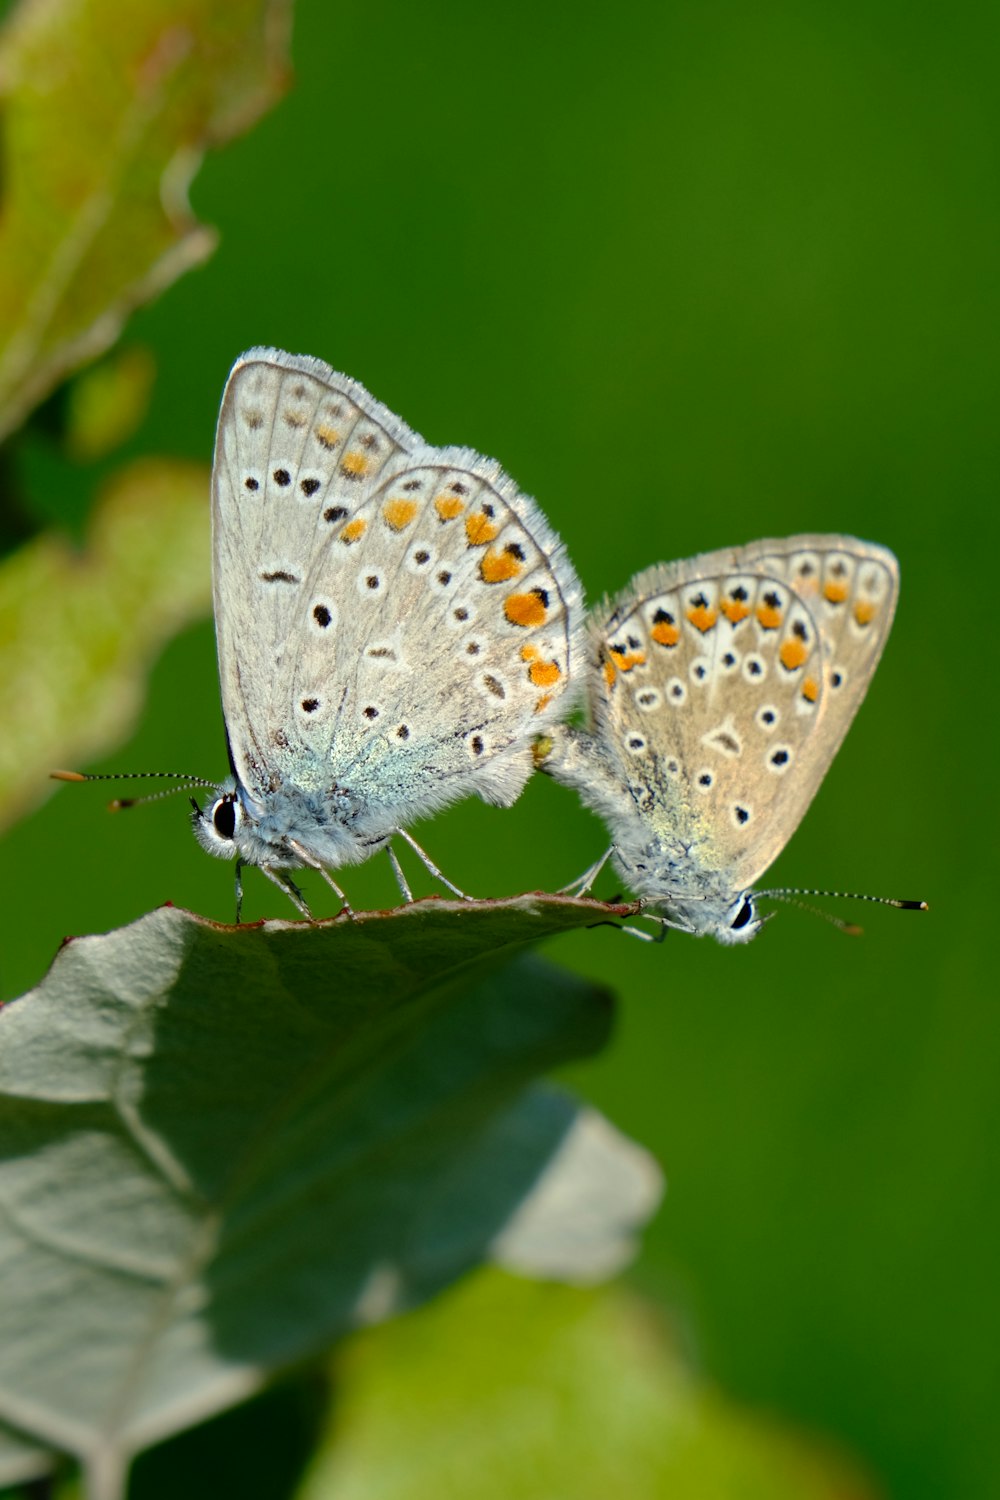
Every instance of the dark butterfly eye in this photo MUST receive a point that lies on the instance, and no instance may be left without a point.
(224, 818)
(742, 916)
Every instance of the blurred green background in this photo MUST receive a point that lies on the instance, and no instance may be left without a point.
(696, 274)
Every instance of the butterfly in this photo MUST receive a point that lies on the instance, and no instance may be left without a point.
(719, 691)
(394, 623)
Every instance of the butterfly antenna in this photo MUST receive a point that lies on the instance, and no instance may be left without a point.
(184, 780)
(789, 897)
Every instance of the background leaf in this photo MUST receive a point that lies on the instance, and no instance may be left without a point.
(107, 111)
(508, 1388)
(21, 1458)
(224, 1148)
(78, 629)
(108, 402)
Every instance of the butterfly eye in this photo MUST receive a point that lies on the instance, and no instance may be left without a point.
(224, 817)
(742, 917)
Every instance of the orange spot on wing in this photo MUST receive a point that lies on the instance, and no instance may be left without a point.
(544, 673)
(702, 618)
(399, 513)
(834, 592)
(448, 507)
(329, 437)
(626, 660)
(354, 463)
(664, 634)
(865, 611)
(353, 530)
(481, 529)
(792, 654)
(769, 618)
(810, 689)
(530, 653)
(543, 702)
(734, 610)
(610, 672)
(525, 609)
(497, 567)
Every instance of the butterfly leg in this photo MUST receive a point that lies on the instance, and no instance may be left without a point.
(336, 889)
(285, 883)
(649, 937)
(314, 864)
(398, 872)
(429, 864)
(582, 884)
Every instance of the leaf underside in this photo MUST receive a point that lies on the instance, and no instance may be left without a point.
(223, 1147)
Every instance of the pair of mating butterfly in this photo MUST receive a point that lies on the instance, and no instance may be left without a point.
(398, 626)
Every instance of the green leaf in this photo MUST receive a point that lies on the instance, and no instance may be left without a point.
(77, 631)
(108, 109)
(225, 1147)
(508, 1388)
(107, 403)
(21, 1459)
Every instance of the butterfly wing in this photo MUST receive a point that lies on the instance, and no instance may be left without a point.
(724, 685)
(296, 447)
(393, 619)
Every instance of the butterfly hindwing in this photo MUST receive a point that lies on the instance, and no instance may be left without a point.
(723, 686)
(851, 587)
(458, 608)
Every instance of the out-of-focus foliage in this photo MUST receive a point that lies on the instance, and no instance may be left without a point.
(516, 1389)
(107, 111)
(108, 402)
(78, 629)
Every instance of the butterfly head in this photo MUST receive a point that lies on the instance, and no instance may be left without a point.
(682, 896)
(220, 826)
(740, 923)
(287, 827)
(728, 920)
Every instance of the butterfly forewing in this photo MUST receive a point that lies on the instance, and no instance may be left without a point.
(414, 611)
(726, 683)
(297, 448)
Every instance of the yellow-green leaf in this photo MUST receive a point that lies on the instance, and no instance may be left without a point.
(512, 1388)
(108, 109)
(106, 404)
(78, 629)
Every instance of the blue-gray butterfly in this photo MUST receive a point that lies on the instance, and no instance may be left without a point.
(394, 624)
(719, 691)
